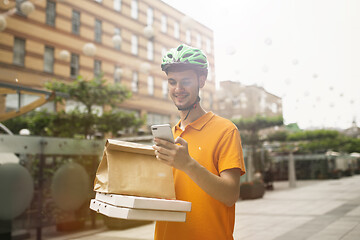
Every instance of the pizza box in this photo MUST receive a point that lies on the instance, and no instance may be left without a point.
(136, 214)
(144, 202)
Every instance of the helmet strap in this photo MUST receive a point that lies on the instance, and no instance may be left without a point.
(192, 106)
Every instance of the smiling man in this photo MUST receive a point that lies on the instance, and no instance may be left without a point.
(207, 155)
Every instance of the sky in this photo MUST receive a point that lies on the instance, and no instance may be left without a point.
(305, 51)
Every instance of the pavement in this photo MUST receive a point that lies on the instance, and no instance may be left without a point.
(314, 210)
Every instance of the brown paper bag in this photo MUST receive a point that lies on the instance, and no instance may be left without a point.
(132, 169)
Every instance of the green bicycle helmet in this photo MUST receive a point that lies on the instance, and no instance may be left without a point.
(185, 56)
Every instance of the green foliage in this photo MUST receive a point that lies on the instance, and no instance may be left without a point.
(315, 141)
(16, 124)
(111, 121)
(249, 127)
(90, 93)
(256, 123)
(279, 136)
(313, 135)
(293, 127)
(80, 124)
(249, 131)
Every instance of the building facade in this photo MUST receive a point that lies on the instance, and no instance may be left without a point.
(122, 39)
(240, 101)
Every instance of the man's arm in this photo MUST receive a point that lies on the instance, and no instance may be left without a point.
(225, 188)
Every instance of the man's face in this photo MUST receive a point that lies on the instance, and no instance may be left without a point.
(184, 87)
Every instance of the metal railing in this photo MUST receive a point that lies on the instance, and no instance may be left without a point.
(42, 157)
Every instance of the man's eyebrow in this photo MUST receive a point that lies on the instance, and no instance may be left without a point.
(183, 79)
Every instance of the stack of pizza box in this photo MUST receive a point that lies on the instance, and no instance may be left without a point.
(140, 208)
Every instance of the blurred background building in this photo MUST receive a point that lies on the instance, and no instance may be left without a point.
(122, 39)
(236, 100)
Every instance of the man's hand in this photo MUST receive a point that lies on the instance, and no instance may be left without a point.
(224, 188)
(173, 155)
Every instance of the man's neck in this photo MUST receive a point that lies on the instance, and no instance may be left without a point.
(194, 114)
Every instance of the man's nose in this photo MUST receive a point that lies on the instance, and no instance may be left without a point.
(179, 86)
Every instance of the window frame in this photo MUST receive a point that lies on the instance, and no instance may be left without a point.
(149, 16)
(135, 82)
(151, 85)
(150, 50)
(176, 30)
(50, 16)
(97, 67)
(117, 32)
(164, 21)
(98, 31)
(19, 51)
(116, 79)
(134, 5)
(49, 68)
(75, 22)
(134, 45)
(74, 65)
(188, 36)
(117, 5)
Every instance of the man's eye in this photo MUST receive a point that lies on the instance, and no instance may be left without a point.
(172, 83)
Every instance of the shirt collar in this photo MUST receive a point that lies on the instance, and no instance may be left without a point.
(199, 123)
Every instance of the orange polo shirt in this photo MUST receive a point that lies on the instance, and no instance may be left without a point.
(215, 143)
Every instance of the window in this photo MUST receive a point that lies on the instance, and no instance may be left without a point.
(134, 9)
(18, 10)
(163, 51)
(208, 45)
(19, 51)
(150, 16)
(98, 30)
(117, 74)
(176, 30)
(188, 37)
(151, 85)
(155, 118)
(198, 40)
(135, 82)
(97, 68)
(49, 59)
(117, 5)
(209, 76)
(117, 31)
(134, 45)
(72, 105)
(165, 89)
(74, 65)
(150, 50)
(163, 24)
(75, 22)
(50, 13)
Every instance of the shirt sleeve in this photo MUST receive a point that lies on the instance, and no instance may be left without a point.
(230, 153)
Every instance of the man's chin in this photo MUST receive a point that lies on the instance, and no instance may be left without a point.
(181, 106)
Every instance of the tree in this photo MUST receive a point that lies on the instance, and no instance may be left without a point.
(82, 122)
(249, 129)
(317, 141)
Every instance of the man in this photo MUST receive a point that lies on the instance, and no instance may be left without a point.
(207, 155)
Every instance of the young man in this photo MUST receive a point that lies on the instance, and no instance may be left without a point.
(207, 155)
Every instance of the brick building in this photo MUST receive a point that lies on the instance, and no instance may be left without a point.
(130, 37)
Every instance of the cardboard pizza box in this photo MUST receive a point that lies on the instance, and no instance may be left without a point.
(144, 202)
(136, 214)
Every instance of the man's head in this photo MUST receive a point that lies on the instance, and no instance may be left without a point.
(186, 68)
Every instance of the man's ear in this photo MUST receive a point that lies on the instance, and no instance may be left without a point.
(202, 80)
